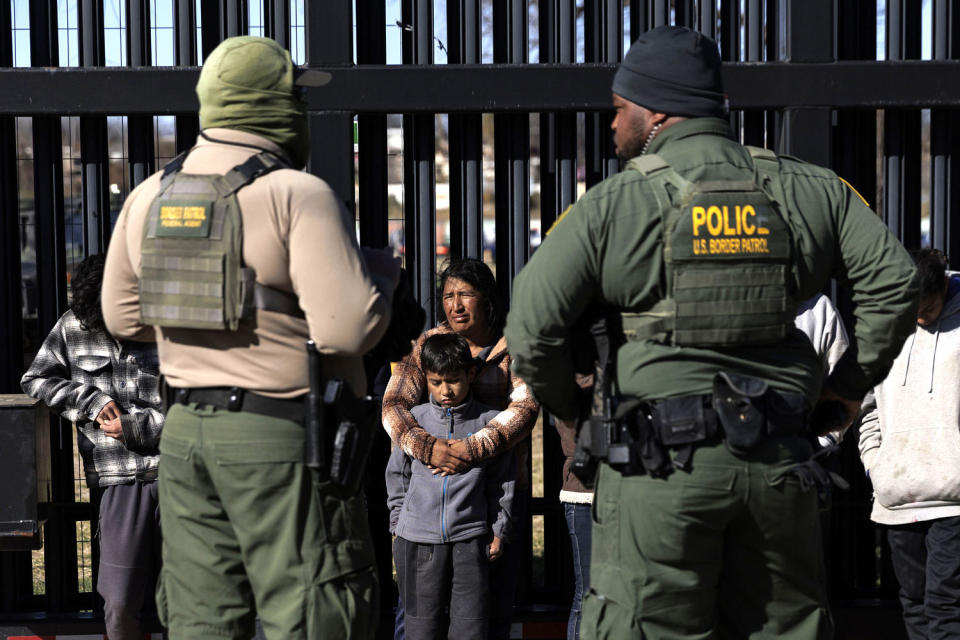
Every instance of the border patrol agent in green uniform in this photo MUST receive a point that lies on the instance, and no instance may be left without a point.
(706, 519)
(237, 258)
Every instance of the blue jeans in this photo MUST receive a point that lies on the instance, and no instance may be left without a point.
(578, 524)
(399, 629)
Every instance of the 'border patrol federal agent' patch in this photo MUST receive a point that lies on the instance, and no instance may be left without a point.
(184, 220)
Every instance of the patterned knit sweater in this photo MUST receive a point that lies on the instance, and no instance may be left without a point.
(495, 385)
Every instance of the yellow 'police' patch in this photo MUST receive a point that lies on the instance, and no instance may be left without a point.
(728, 229)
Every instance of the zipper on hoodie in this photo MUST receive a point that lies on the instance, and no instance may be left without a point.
(448, 413)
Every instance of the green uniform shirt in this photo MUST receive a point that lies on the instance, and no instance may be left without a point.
(608, 250)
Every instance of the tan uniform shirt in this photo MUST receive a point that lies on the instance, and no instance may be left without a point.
(297, 237)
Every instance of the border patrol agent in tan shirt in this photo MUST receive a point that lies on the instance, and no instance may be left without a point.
(237, 258)
(705, 513)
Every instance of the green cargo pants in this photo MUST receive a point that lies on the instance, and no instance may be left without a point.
(729, 550)
(248, 530)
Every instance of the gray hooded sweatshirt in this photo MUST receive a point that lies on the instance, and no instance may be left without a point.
(432, 509)
(910, 432)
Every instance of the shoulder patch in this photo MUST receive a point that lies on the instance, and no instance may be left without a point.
(857, 193)
(559, 218)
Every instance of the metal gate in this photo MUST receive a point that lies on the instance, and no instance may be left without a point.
(494, 121)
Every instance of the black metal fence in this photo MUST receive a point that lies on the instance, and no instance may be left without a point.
(471, 156)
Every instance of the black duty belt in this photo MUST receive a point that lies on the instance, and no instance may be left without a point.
(237, 399)
(672, 414)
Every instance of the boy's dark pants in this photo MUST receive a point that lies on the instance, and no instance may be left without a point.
(129, 555)
(926, 560)
(432, 577)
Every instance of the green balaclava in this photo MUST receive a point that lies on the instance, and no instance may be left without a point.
(247, 83)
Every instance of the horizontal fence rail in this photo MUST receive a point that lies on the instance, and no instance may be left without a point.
(487, 88)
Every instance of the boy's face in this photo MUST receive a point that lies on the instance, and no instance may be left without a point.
(449, 389)
(931, 306)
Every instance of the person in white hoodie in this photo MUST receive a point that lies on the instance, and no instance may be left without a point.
(910, 447)
(818, 318)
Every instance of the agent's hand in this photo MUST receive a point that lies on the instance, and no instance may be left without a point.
(110, 411)
(851, 409)
(448, 457)
(113, 428)
(495, 549)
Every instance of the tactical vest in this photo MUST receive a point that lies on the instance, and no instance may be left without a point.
(728, 253)
(192, 271)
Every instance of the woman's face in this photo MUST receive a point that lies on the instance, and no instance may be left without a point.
(464, 307)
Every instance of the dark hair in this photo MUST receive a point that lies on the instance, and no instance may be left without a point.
(478, 275)
(85, 284)
(931, 271)
(445, 353)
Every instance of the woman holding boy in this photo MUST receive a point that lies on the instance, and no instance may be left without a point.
(472, 308)
(448, 528)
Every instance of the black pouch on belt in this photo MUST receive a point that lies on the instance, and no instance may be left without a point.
(642, 451)
(680, 421)
(739, 402)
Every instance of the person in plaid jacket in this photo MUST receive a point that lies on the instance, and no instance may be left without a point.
(109, 390)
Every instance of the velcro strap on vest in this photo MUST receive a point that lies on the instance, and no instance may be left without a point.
(767, 165)
(174, 165)
(650, 325)
(647, 163)
(243, 174)
(270, 299)
(661, 174)
(183, 314)
(211, 264)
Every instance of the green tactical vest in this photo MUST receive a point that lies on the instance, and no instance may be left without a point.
(728, 254)
(192, 271)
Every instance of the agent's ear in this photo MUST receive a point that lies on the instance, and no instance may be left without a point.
(658, 118)
(472, 373)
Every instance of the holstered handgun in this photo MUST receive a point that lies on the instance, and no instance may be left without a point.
(602, 436)
(337, 454)
(357, 419)
(315, 453)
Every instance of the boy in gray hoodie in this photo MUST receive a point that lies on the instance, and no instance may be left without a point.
(448, 528)
(910, 447)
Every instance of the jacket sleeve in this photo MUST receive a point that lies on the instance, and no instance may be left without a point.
(403, 392)
(48, 379)
(550, 294)
(397, 478)
(501, 481)
(508, 427)
(120, 294)
(881, 277)
(871, 435)
(326, 265)
(141, 430)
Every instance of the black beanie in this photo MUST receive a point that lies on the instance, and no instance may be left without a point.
(675, 71)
